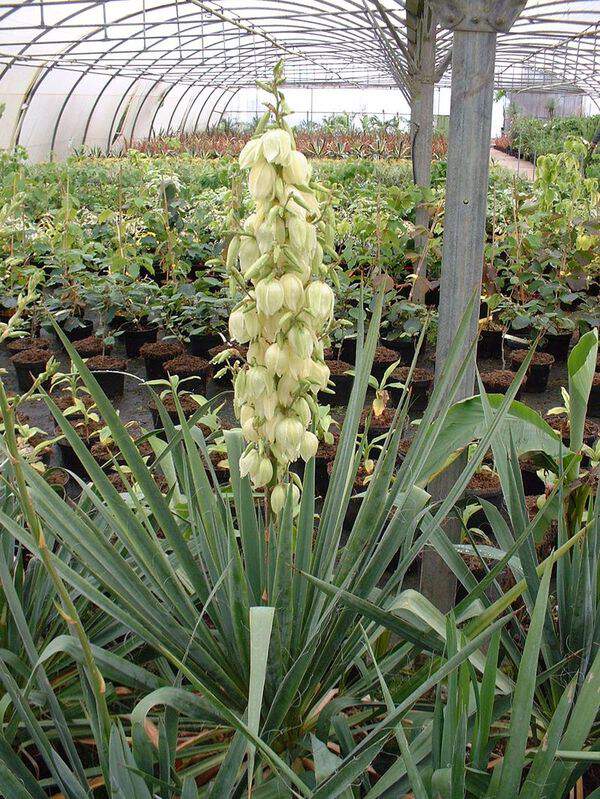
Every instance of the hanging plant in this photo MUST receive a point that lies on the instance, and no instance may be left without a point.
(276, 258)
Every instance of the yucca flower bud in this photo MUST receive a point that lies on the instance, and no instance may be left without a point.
(248, 254)
(302, 410)
(237, 327)
(300, 340)
(262, 180)
(309, 446)
(298, 230)
(297, 170)
(250, 153)
(257, 381)
(293, 291)
(288, 433)
(269, 296)
(320, 299)
(276, 359)
(263, 473)
(318, 374)
(249, 462)
(278, 499)
(277, 146)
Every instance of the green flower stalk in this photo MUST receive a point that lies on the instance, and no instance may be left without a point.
(277, 259)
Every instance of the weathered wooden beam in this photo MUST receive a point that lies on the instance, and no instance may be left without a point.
(475, 23)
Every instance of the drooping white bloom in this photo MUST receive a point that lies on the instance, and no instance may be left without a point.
(297, 170)
(320, 299)
(269, 296)
(262, 180)
(250, 153)
(309, 446)
(277, 146)
(293, 291)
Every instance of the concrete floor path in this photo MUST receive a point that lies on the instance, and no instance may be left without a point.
(524, 169)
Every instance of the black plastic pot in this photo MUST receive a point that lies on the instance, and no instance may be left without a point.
(537, 379)
(135, 337)
(70, 459)
(490, 343)
(27, 373)
(347, 352)
(405, 347)
(531, 482)
(112, 383)
(558, 344)
(201, 343)
(593, 407)
(342, 385)
(525, 334)
(84, 329)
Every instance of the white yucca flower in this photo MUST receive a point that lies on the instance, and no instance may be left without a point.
(287, 312)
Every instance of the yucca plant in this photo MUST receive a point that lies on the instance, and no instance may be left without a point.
(254, 640)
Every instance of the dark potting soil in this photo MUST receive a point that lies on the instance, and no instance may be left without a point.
(419, 374)
(484, 483)
(161, 350)
(56, 477)
(498, 380)
(27, 343)
(187, 366)
(539, 358)
(337, 368)
(385, 356)
(189, 406)
(102, 363)
(90, 346)
(382, 422)
(591, 429)
(66, 401)
(237, 351)
(31, 357)
(102, 453)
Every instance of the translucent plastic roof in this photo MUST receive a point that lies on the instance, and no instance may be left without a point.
(86, 73)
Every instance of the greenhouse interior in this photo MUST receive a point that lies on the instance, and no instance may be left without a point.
(300, 399)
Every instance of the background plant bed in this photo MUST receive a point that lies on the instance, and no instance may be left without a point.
(594, 400)
(560, 423)
(87, 433)
(29, 364)
(378, 425)
(539, 369)
(76, 329)
(355, 501)
(193, 369)
(156, 354)
(405, 348)
(108, 371)
(239, 357)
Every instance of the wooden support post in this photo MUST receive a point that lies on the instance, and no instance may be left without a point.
(473, 58)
